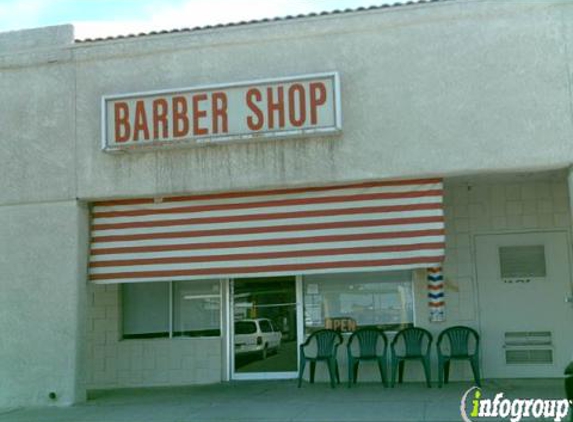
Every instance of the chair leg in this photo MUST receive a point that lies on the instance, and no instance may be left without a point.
(350, 366)
(355, 371)
(381, 367)
(440, 373)
(447, 371)
(401, 371)
(332, 371)
(475, 368)
(426, 363)
(301, 370)
(394, 364)
(336, 371)
(312, 370)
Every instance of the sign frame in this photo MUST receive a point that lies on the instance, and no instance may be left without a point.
(193, 142)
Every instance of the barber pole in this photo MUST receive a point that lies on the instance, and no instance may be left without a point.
(436, 294)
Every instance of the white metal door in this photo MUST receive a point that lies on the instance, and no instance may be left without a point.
(526, 320)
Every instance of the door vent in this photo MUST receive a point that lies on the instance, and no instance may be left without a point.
(528, 347)
(522, 262)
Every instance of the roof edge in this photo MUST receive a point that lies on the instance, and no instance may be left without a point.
(261, 21)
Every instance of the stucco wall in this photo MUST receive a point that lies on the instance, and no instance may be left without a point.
(437, 89)
(42, 281)
(37, 116)
(440, 89)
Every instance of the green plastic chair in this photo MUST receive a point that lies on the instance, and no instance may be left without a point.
(372, 346)
(327, 342)
(416, 345)
(457, 343)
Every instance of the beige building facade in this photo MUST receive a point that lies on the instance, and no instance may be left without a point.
(473, 95)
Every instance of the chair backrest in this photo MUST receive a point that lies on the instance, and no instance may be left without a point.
(368, 342)
(327, 341)
(460, 338)
(417, 341)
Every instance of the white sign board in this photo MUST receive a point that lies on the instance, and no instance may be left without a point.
(298, 106)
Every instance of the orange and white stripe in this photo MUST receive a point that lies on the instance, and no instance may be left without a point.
(358, 227)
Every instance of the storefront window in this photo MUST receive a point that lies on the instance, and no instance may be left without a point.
(145, 310)
(194, 311)
(349, 301)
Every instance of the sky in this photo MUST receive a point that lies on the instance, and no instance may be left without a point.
(101, 18)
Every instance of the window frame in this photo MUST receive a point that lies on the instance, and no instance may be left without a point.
(386, 326)
(171, 307)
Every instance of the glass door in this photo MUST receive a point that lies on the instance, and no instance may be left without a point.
(264, 330)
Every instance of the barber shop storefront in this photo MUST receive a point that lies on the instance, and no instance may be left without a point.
(252, 273)
(262, 269)
(198, 203)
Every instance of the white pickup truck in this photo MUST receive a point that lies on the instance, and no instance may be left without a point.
(256, 336)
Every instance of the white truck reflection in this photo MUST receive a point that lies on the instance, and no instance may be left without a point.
(256, 336)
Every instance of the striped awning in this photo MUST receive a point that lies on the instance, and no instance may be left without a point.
(359, 227)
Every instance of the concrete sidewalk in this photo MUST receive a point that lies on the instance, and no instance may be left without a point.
(282, 401)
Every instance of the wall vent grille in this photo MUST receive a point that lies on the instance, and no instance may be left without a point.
(528, 357)
(528, 347)
(528, 338)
